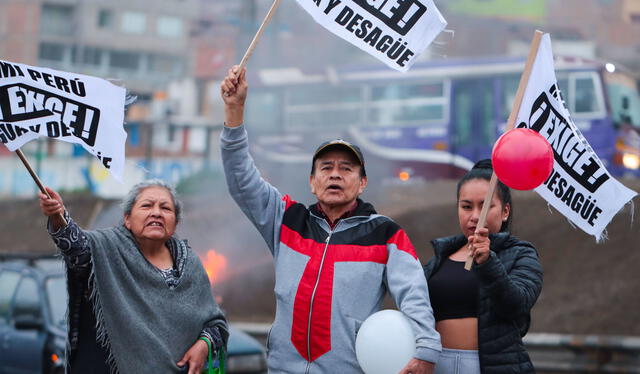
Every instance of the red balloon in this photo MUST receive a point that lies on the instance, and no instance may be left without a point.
(522, 159)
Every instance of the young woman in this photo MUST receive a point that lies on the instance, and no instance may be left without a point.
(482, 314)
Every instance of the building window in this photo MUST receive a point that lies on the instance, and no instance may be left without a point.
(164, 64)
(134, 22)
(169, 27)
(51, 51)
(57, 20)
(105, 19)
(92, 56)
(124, 60)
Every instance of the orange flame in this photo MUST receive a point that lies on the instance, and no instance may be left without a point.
(215, 264)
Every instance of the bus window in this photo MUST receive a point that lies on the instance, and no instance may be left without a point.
(319, 95)
(563, 85)
(625, 104)
(585, 99)
(397, 115)
(509, 89)
(398, 105)
(463, 104)
(396, 92)
(582, 93)
(488, 134)
(328, 118)
(474, 126)
(308, 106)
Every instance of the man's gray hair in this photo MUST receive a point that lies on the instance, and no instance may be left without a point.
(132, 196)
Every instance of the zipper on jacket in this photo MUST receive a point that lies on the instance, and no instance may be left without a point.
(313, 295)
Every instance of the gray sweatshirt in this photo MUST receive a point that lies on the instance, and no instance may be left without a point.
(328, 281)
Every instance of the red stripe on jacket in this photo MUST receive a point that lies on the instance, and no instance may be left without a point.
(288, 201)
(318, 333)
(402, 241)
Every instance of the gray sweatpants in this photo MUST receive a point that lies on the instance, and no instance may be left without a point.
(457, 361)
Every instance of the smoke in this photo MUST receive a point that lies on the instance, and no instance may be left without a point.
(212, 221)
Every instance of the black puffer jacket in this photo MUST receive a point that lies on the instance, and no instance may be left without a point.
(510, 283)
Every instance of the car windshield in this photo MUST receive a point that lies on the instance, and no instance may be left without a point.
(57, 299)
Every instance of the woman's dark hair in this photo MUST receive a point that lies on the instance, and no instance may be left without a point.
(483, 170)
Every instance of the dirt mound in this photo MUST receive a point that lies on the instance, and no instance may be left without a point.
(24, 227)
(589, 288)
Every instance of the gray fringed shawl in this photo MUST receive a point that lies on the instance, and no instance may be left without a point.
(145, 326)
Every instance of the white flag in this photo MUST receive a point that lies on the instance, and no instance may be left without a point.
(393, 31)
(70, 107)
(579, 187)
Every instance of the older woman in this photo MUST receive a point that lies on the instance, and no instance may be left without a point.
(139, 298)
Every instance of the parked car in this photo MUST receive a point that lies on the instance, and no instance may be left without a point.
(33, 302)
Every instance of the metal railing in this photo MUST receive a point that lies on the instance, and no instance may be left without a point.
(554, 353)
(559, 353)
(27, 257)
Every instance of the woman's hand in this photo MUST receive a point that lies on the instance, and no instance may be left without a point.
(53, 208)
(195, 357)
(416, 366)
(480, 245)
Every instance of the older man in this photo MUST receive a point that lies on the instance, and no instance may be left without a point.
(334, 260)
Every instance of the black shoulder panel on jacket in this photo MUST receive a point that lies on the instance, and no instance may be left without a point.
(375, 231)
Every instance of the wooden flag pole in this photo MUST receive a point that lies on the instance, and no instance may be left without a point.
(256, 38)
(515, 109)
(35, 178)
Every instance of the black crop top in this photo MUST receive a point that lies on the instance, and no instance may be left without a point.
(453, 291)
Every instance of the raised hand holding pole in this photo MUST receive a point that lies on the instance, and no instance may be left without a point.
(524, 79)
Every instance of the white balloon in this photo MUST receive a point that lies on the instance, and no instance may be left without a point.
(385, 343)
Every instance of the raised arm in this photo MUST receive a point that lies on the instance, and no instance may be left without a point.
(260, 201)
(234, 90)
(69, 237)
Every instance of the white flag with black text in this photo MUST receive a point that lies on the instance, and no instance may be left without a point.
(580, 187)
(70, 107)
(393, 31)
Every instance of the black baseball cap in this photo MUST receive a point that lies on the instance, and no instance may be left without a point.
(342, 145)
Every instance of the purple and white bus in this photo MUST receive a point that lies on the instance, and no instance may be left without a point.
(432, 122)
